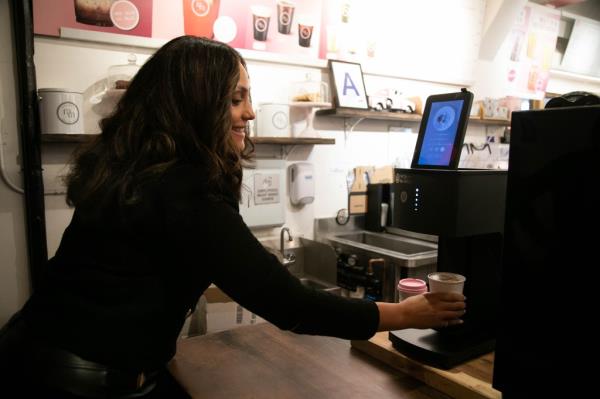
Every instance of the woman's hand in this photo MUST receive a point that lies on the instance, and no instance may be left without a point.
(429, 310)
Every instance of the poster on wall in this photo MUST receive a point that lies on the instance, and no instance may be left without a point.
(344, 35)
(426, 39)
(532, 42)
(127, 17)
(274, 26)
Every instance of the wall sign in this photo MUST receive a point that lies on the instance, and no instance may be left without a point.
(532, 42)
(266, 188)
(127, 17)
(348, 85)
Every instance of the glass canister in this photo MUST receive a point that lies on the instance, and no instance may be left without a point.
(310, 90)
(120, 75)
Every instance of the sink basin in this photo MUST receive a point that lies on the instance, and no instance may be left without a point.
(317, 285)
(312, 284)
(391, 244)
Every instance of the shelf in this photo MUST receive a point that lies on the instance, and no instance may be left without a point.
(359, 113)
(309, 104)
(82, 138)
(67, 138)
(496, 122)
(394, 116)
(291, 140)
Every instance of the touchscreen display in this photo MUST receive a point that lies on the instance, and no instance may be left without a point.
(440, 133)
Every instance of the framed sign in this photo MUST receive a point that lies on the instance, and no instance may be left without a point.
(348, 85)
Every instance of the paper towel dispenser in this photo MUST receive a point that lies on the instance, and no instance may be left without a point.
(301, 183)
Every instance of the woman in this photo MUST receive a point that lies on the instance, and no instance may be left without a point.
(156, 222)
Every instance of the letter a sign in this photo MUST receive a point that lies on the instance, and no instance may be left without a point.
(349, 85)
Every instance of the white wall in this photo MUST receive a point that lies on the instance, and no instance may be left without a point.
(14, 275)
(81, 66)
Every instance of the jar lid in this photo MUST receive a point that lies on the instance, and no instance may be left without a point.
(412, 285)
(124, 72)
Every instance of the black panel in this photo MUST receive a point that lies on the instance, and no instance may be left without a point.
(550, 278)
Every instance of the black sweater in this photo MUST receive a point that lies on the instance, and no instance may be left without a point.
(120, 285)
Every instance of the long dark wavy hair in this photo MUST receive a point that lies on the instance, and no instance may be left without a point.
(176, 110)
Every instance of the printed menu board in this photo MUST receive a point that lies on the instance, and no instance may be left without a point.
(532, 42)
(425, 39)
(127, 17)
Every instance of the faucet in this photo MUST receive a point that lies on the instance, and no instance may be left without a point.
(288, 259)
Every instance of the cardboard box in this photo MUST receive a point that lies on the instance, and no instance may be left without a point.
(222, 313)
(363, 175)
(228, 315)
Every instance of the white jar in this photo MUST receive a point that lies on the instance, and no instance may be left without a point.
(61, 111)
(273, 120)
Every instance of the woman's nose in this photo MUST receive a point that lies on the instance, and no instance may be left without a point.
(249, 113)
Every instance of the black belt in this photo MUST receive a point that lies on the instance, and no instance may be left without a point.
(66, 371)
(57, 368)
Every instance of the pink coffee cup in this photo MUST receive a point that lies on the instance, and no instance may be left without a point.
(411, 286)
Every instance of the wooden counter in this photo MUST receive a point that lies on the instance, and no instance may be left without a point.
(262, 361)
(470, 380)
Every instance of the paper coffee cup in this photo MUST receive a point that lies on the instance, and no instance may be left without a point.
(411, 286)
(446, 282)
(261, 17)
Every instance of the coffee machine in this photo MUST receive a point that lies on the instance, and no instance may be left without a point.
(465, 209)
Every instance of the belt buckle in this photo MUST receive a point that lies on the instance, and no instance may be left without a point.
(141, 379)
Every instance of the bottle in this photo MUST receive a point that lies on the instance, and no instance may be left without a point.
(346, 11)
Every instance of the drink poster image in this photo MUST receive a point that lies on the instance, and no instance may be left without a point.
(276, 26)
(531, 46)
(352, 29)
(129, 17)
(199, 17)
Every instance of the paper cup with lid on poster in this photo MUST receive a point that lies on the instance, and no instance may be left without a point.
(61, 111)
(199, 17)
(285, 16)
(305, 30)
(261, 18)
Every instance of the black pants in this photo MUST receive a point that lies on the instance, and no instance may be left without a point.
(24, 371)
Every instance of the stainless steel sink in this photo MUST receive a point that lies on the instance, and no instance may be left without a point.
(401, 250)
(312, 284)
(391, 244)
(318, 285)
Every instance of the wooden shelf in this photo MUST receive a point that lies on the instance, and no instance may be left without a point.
(82, 138)
(67, 138)
(394, 116)
(291, 140)
(359, 113)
